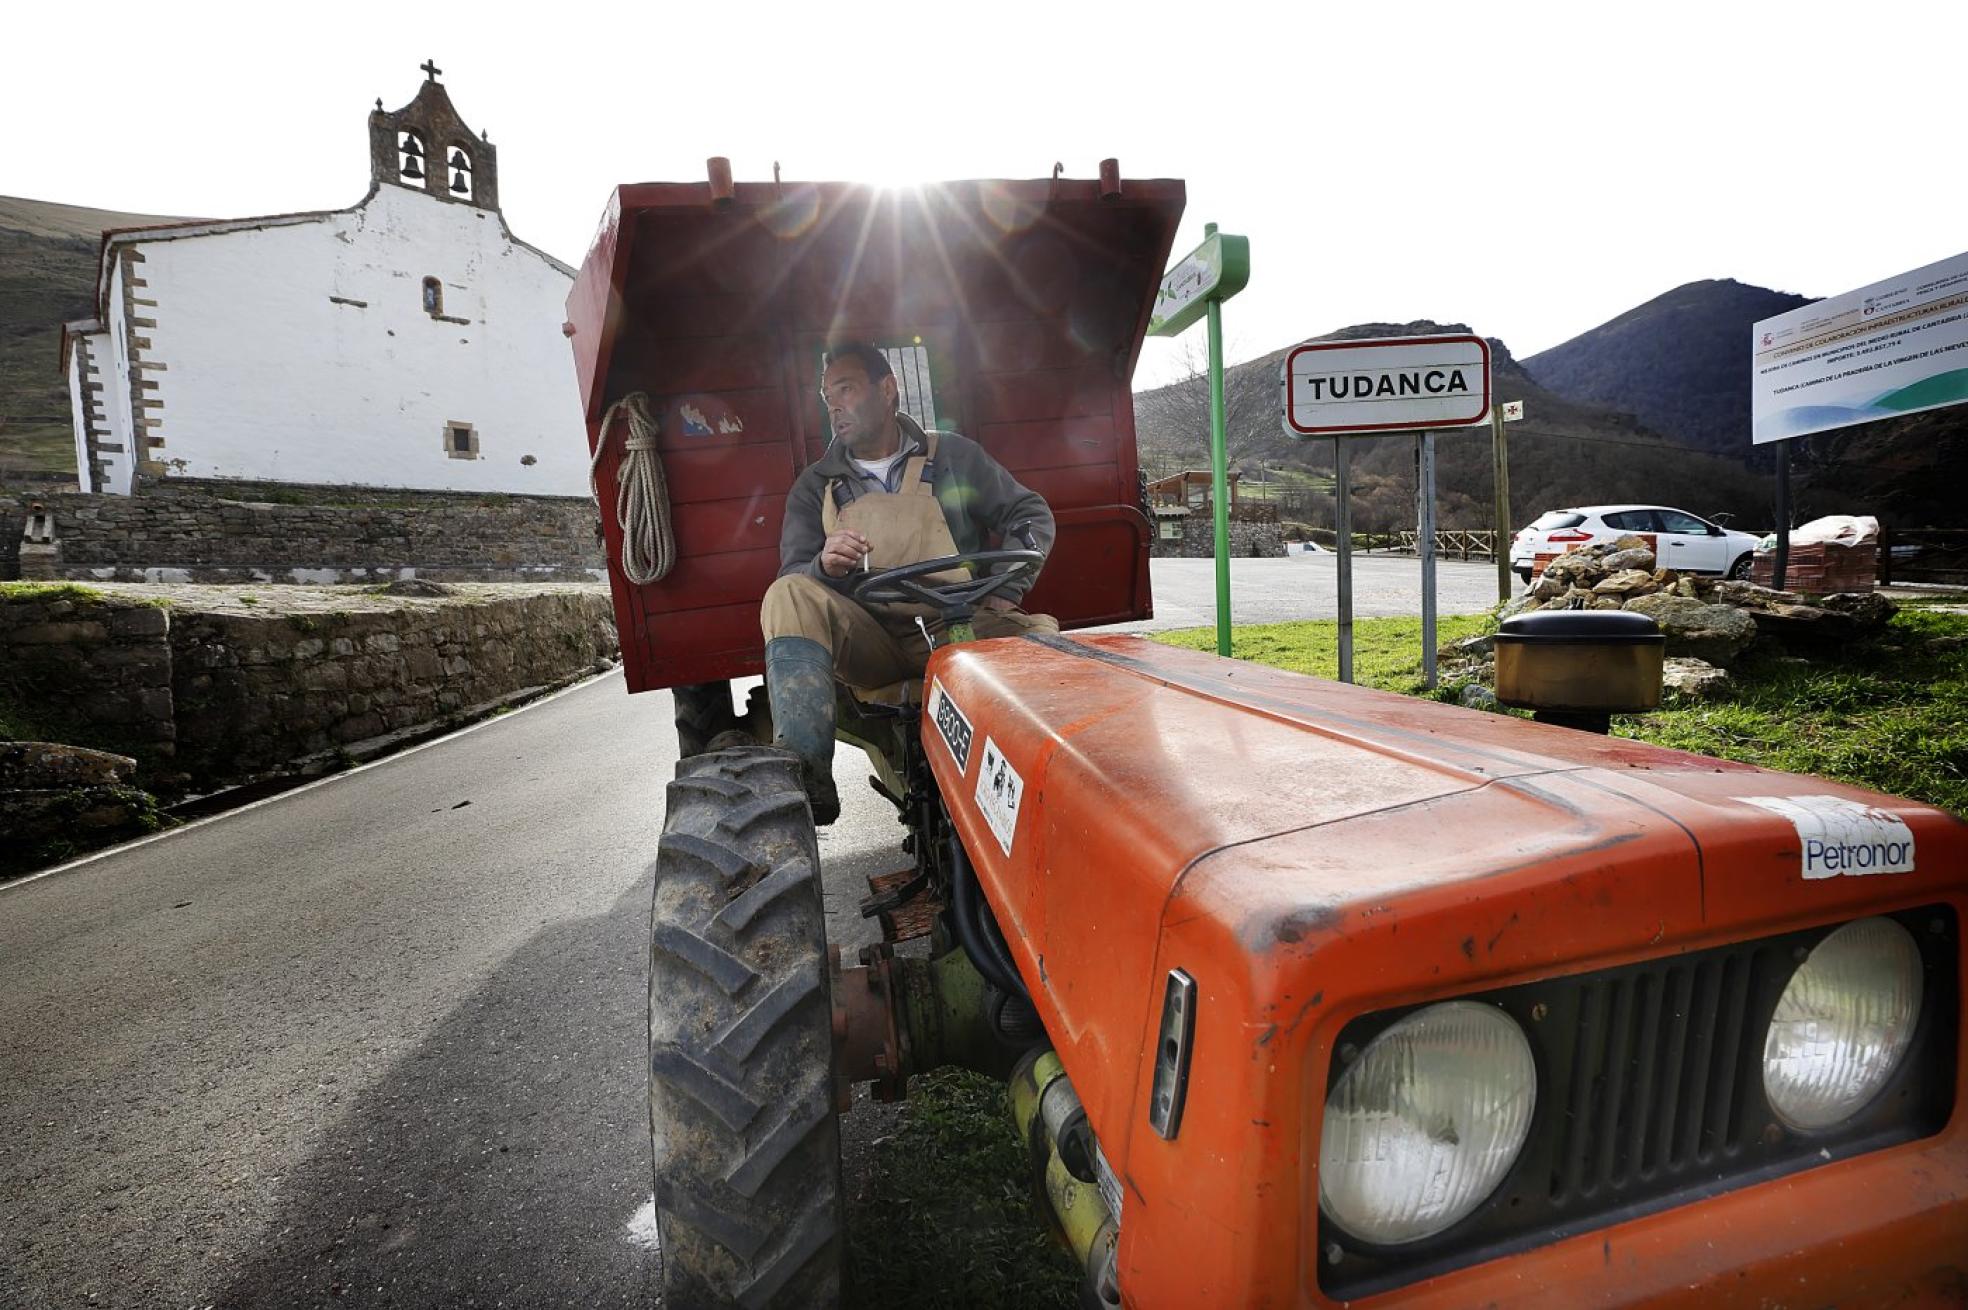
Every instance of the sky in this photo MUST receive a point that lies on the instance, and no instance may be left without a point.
(1531, 170)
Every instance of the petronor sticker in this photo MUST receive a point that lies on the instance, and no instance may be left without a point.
(999, 791)
(1843, 838)
(951, 722)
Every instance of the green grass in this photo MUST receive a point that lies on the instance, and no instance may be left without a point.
(1889, 712)
(25, 591)
(1386, 652)
(947, 1216)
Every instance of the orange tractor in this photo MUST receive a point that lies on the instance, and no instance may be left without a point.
(1306, 994)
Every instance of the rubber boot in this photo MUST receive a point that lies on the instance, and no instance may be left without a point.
(799, 676)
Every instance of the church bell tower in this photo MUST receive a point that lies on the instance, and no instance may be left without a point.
(426, 147)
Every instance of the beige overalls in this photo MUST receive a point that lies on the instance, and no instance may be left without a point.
(879, 645)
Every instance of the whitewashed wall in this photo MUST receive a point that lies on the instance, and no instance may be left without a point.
(78, 409)
(266, 377)
(114, 368)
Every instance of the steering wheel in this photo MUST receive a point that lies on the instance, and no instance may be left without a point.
(903, 585)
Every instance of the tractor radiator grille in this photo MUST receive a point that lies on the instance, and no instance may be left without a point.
(1660, 1061)
(1650, 1095)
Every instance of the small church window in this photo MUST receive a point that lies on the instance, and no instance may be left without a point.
(461, 174)
(433, 297)
(410, 159)
(460, 441)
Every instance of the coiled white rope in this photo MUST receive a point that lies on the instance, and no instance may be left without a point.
(642, 495)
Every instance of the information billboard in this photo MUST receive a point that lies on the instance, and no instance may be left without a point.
(1892, 348)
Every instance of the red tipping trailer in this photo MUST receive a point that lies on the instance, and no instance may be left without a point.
(1017, 309)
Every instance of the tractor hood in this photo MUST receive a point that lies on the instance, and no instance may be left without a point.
(1304, 847)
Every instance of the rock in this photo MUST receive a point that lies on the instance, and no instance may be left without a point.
(1517, 605)
(1626, 582)
(50, 766)
(1715, 633)
(1868, 609)
(1547, 586)
(1642, 559)
(1478, 697)
(1572, 566)
(1747, 595)
(1631, 542)
(1605, 603)
(415, 587)
(1685, 587)
(1693, 680)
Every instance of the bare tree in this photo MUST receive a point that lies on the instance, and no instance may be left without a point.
(1173, 422)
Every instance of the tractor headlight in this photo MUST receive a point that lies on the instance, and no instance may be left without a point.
(1843, 1024)
(1422, 1127)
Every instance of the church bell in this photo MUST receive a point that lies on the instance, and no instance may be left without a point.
(458, 183)
(411, 167)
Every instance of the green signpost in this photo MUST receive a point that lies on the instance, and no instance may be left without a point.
(1197, 287)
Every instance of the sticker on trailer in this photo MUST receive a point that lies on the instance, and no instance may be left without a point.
(952, 724)
(999, 791)
(1843, 838)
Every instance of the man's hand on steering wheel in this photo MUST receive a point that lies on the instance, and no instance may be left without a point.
(907, 584)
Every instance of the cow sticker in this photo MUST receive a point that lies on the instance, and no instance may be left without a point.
(952, 724)
(999, 792)
(1843, 838)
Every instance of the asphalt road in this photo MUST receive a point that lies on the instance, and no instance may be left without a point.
(379, 1041)
(1307, 587)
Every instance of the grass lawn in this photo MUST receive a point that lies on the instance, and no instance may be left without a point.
(1889, 712)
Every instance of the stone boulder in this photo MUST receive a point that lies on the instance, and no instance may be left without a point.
(1693, 680)
(1717, 634)
(414, 587)
(1626, 582)
(51, 766)
(1642, 559)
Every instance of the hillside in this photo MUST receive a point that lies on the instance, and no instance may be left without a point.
(1565, 452)
(1679, 363)
(47, 276)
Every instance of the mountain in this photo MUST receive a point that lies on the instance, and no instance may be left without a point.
(1679, 363)
(47, 277)
(1564, 452)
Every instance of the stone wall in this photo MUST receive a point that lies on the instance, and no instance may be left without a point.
(1248, 540)
(362, 535)
(258, 693)
(87, 671)
(218, 685)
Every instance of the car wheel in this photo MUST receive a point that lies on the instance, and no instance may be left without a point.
(1739, 571)
(1525, 574)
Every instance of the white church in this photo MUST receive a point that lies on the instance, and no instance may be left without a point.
(408, 341)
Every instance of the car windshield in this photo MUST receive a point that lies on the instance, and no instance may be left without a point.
(1557, 518)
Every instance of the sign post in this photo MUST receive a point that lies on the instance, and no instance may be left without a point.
(1343, 534)
(1392, 384)
(1211, 274)
(1508, 412)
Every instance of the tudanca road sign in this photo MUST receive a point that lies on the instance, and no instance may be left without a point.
(1392, 384)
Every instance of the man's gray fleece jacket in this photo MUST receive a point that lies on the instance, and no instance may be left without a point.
(979, 499)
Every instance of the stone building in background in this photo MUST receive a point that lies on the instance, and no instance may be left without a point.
(410, 341)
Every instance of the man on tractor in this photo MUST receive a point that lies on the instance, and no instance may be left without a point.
(886, 494)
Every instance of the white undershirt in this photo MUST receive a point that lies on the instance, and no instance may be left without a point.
(879, 468)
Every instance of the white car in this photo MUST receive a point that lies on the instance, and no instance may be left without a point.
(1684, 542)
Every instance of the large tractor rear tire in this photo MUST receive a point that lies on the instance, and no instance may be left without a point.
(741, 1048)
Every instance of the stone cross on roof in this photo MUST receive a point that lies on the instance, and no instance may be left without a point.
(431, 70)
